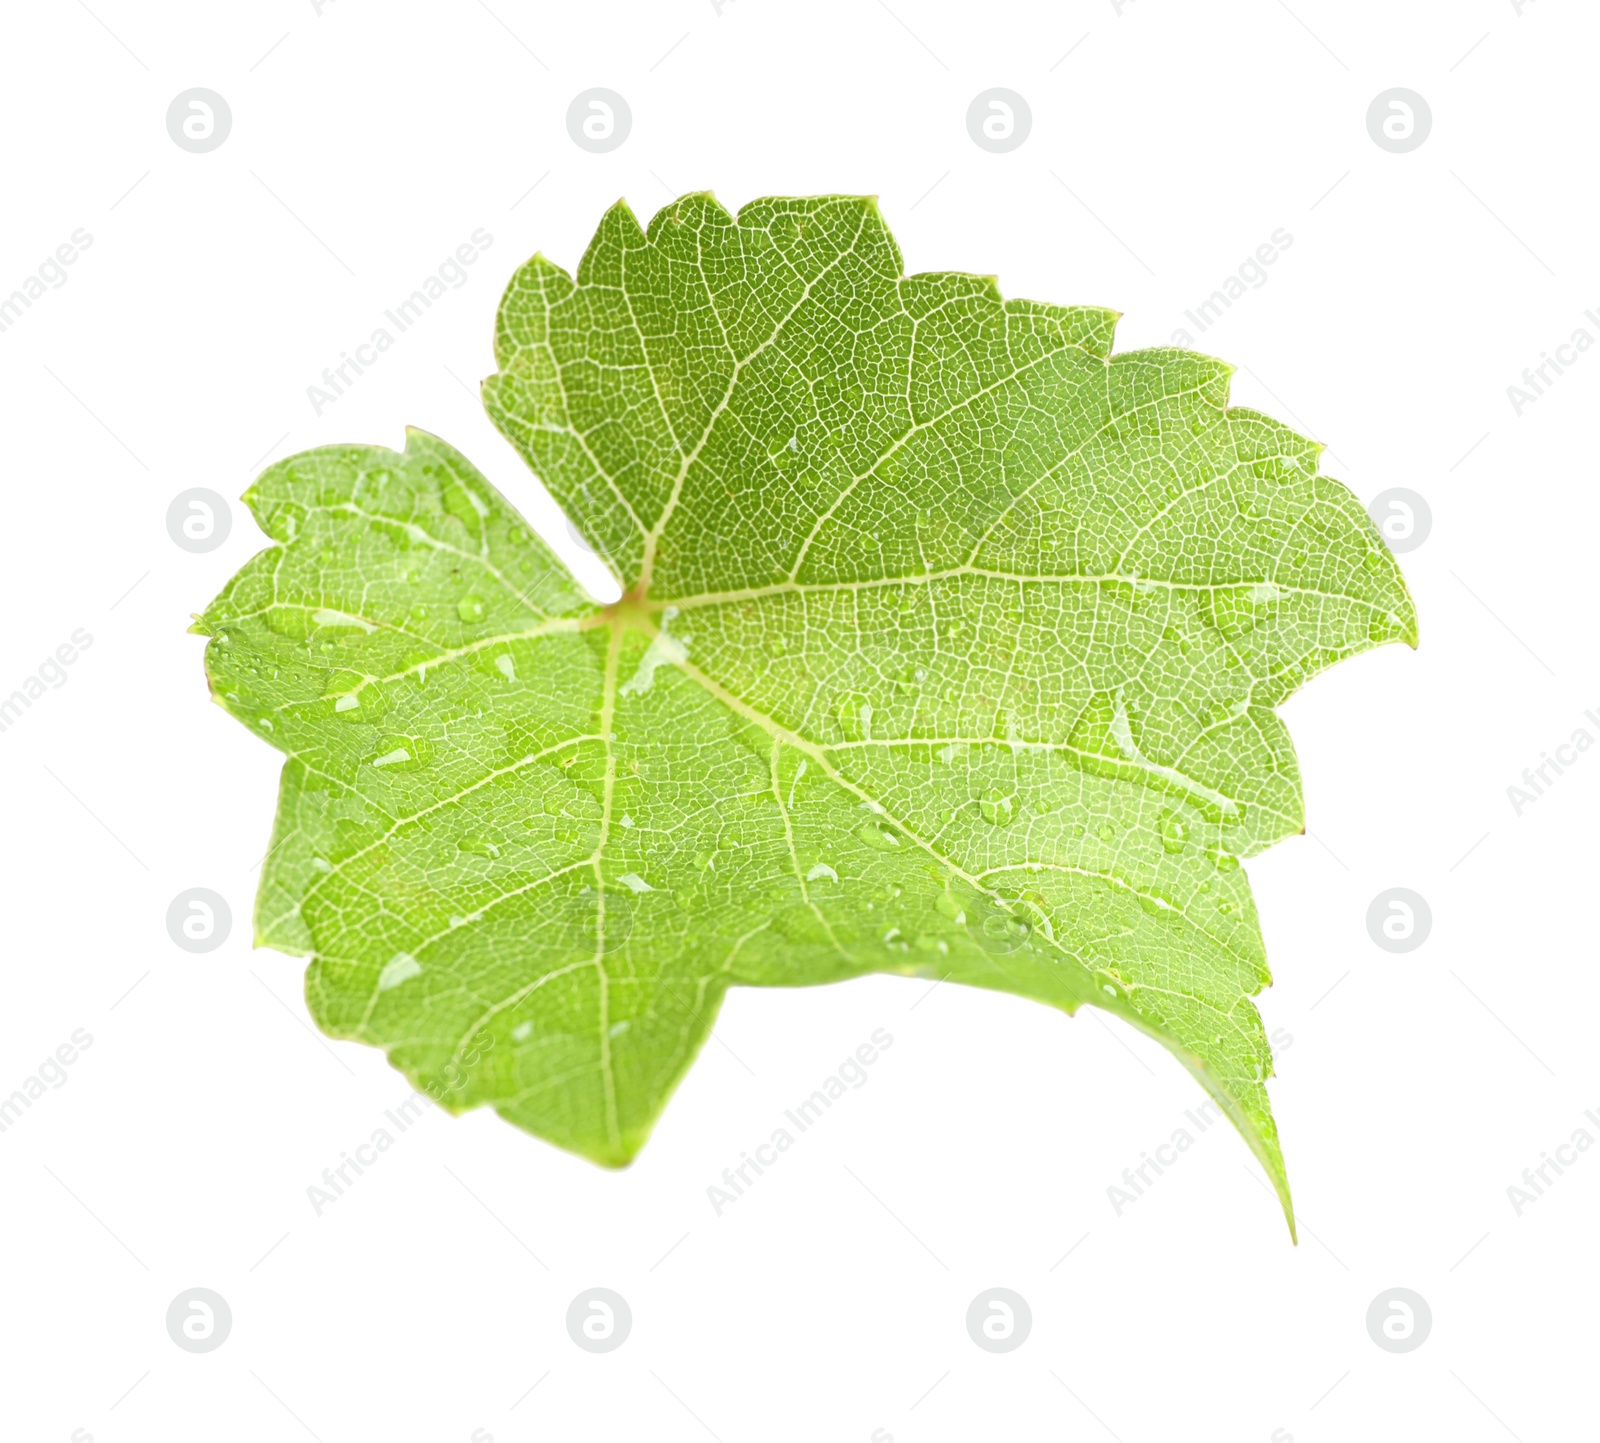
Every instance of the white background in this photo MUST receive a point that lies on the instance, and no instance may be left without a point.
(367, 143)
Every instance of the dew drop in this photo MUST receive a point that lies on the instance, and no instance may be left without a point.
(471, 608)
(947, 905)
(876, 835)
(997, 808)
(355, 698)
(477, 844)
(854, 714)
(910, 680)
(399, 968)
(1110, 983)
(329, 616)
(401, 753)
(1000, 930)
(1174, 832)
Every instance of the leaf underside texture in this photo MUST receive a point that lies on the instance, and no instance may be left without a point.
(950, 646)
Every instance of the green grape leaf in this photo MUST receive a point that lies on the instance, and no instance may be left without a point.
(949, 646)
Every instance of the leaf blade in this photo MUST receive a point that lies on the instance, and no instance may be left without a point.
(950, 645)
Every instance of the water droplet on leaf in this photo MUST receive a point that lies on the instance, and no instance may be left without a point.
(878, 836)
(1110, 983)
(854, 714)
(997, 808)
